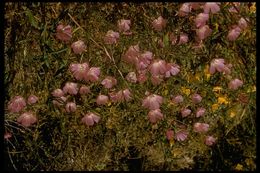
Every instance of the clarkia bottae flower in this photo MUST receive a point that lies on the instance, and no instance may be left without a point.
(155, 115)
(169, 134)
(111, 37)
(212, 7)
(200, 112)
(64, 33)
(181, 135)
(235, 84)
(16, 104)
(152, 101)
(32, 99)
(196, 98)
(184, 10)
(71, 107)
(210, 140)
(57, 93)
(70, 88)
(27, 119)
(78, 47)
(159, 23)
(109, 82)
(93, 74)
(79, 71)
(131, 77)
(90, 119)
(102, 100)
(185, 112)
(200, 127)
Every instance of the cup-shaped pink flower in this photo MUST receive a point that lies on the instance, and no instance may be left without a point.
(173, 38)
(78, 47)
(185, 112)
(93, 74)
(200, 127)
(27, 119)
(64, 33)
(109, 82)
(178, 99)
(183, 38)
(196, 98)
(181, 135)
(70, 88)
(111, 37)
(184, 10)
(152, 102)
(144, 60)
(212, 7)
(59, 101)
(71, 107)
(203, 32)
(172, 69)
(32, 99)
(242, 23)
(132, 54)
(200, 112)
(210, 140)
(123, 25)
(169, 134)
(234, 33)
(195, 5)
(57, 93)
(158, 67)
(235, 84)
(217, 64)
(114, 97)
(159, 23)
(90, 119)
(131, 77)
(102, 100)
(155, 115)
(16, 104)
(79, 71)
(84, 90)
(201, 19)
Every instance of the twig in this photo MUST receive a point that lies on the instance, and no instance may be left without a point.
(11, 159)
(75, 21)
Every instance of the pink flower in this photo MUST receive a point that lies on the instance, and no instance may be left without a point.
(201, 19)
(178, 99)
(203, 32)
(102, 100)
(183, 39)
(123, 25)
(217, 64)
(156, 79)
(235, 84)
(17, 104)
(181, 135)
(200, 127)
(141, 78)
(212, 7)
(196, 98)
(172, 69)
(114, 97)
(59, 101)
(70, 88)
(132, 54)
(152, 101)
(71, 107)
(200, 112)
(64, 33)
(159, 23)
(109, 82)
(234, 33)
(169, 134)
(155, 115)
(242, 23)
(195, 5)
(84, 90)
(79, 71)
(185, 112)
(90, 118)
(7, 135)
(57, 93)
(111, 37)
(78, 47)
(210, 140)
(131, 77)
(32, 99)
(27, 119)
(158, 67)
(127, 94)
(184, 10)
(144, 60)
(93, 74)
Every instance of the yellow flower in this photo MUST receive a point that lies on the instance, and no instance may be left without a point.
(232, 114)
(206, 72)
(185, 90)
(239, 167)
(214, 107)
(217, 89)
(253, 8)
(222, 100)
(251, 89)
(165, 92)
(171, 142)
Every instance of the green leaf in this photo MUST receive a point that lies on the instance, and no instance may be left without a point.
(31, 18)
